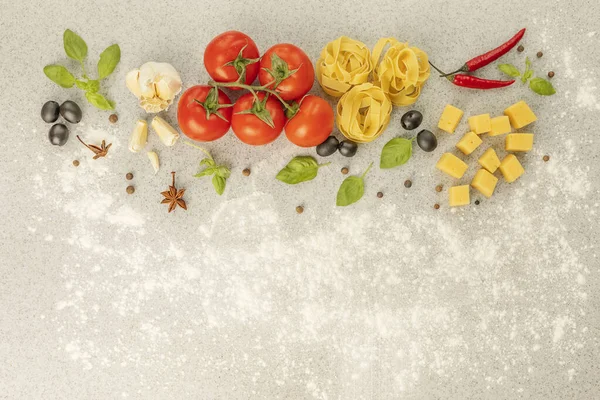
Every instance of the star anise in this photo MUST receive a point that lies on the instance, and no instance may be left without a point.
(98, 151)
(173, 197)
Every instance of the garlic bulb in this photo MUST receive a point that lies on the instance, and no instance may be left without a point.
(155, 85)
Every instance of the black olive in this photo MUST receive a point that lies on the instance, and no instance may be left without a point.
(426, 140)
(58, 134)
(347, 148)
(411, 120)
(328, 147)
(70, 111)
(50, 111)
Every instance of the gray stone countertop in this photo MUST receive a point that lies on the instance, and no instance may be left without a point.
(104, 295)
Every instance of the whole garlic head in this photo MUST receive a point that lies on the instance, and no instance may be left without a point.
(155, 85)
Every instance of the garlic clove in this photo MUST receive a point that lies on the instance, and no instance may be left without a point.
(132, 82)
(148, 77)
(139, 136)
(166, 69)
(154, 161)
(164, 90)
(167, 134)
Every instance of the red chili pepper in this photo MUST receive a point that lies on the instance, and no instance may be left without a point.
(474, 82)
(491, 56)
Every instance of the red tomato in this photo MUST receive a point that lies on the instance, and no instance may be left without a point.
(191, 116)
(297, 84)
(312, 124)
(252, 130)
(226, 48)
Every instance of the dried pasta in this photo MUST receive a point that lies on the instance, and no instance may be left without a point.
(343, 63)
(402, 71)
(363, 113)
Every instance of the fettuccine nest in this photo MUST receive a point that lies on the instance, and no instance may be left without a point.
(363, 113)
(402, 71)
(343, 63)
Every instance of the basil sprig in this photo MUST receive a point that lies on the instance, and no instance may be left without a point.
(352, 189)
(395, 152)
(538, 85)
(219, 173)
(76, 48)
(299, 169)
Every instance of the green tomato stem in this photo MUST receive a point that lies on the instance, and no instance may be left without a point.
(368, 168)
(199, 148)
(253, 89)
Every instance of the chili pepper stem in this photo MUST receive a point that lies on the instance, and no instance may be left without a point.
(437, 69)
(253, 89)
(443, 74)
(464, 68)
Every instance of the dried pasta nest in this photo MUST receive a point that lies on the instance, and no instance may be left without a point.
(343, 63)
(402, 71)
(363, 113)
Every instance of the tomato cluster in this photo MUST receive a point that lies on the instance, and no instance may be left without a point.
(286, 75)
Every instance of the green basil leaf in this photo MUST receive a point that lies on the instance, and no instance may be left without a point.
(93, 86)
(59, 75)
(351, 190)
(299, 169)
(219, 184)
(89, 86)
(395, 152)
(109, 59)
(222, 171)
(526, 76)
(206, 172)
(528, 71)
(509, 70)
(542, 87)
(208, 162)
(99, 101)
(75, 46)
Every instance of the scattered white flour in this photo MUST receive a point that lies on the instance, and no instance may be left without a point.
(586, 97)
(125, 216)
(559, 328)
